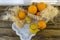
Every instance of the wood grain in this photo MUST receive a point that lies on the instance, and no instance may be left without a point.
(10, 32)
(45, 38)
(8, 24)
(7, 32)
(17, 38)
(52, 32)
(5, 24)
(9, 38)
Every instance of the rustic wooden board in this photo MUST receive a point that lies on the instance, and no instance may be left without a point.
(37, 38)
(9, 38)
(8, 24)
(7, 32)
(5, 24)
(52, 38)
(10, 32)
(34, 38)
(52, 32)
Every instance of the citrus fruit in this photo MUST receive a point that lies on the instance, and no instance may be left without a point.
(22, 14)
(41, 24)
(32, 9)
(41, 6)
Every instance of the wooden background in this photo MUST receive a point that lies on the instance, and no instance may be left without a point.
(52, 32)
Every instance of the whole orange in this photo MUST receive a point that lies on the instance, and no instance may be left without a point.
(22, 15)
(41, 6)
(41, 24)
(32, 9)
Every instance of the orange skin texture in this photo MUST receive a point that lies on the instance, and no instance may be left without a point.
(22, 15)
(41, 24)
(41, 6)
(32, 9)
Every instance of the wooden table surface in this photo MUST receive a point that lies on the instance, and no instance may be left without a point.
(52, 32)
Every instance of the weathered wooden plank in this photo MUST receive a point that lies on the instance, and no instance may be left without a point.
(53, 38)
(7, 32)
(10, 32)
(17, 38)
(5, 23)
(38, 38)
(9, 38)
(33, 38)
(49, 33)
(53, 26)
(8, 24)
(3, 8)
(55, 20)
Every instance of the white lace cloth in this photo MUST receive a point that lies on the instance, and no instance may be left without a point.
(23, 32)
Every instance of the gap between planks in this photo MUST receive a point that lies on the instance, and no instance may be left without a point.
(9, 38)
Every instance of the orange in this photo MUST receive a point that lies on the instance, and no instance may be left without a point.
(41, 24)
(32, 9)
(38, 14)
(22, 14)
(41, 6)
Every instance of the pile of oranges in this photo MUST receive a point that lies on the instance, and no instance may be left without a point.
(35, 10)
